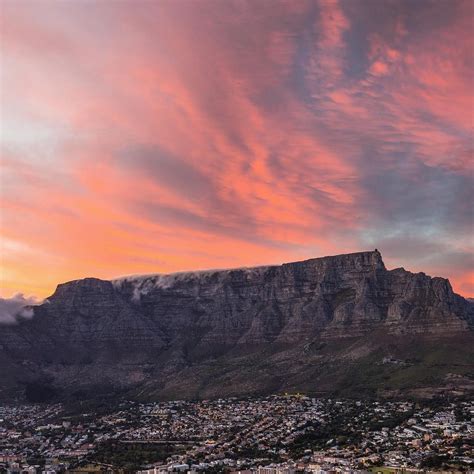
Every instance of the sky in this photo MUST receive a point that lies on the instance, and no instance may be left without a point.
(160, 136)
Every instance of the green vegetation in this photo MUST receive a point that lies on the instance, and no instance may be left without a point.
(434, 461)
(321, 436)
(133, 456)
(40, 392)
(368, 375)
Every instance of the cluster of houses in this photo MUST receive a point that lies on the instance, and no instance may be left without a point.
(268, 435)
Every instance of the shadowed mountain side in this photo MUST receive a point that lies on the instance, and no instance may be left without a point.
(340, 324)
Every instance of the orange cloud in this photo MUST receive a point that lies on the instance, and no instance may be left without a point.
(172, 137)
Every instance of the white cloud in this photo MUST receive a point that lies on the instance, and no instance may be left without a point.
(17, 307)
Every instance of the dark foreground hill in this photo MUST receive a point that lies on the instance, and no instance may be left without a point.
(342, 325)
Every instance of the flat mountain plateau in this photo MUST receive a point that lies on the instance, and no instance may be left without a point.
(339, 326)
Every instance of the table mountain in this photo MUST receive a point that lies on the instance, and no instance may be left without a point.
(334, 325)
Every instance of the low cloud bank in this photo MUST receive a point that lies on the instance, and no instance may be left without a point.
(15, 308)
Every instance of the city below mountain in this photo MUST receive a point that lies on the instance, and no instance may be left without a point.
(340, 326)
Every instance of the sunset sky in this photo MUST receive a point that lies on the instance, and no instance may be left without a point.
(159, 136)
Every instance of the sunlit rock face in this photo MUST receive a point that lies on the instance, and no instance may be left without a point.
(231, 331)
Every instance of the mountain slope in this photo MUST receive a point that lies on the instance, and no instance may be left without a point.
(342, 323)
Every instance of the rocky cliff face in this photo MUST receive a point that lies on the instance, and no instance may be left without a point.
(235, 331)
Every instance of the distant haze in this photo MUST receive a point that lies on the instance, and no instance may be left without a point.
(141, 137)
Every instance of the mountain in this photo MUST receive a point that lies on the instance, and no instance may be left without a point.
(341, 325)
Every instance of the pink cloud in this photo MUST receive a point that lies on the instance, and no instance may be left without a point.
(218, 133)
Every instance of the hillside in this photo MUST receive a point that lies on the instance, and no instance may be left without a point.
(334, 325)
